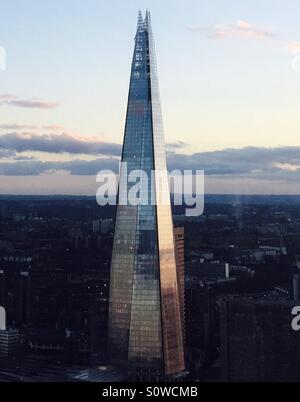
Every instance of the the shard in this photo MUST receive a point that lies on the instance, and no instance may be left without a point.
(145, 329)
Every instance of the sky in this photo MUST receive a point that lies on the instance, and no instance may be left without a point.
(229, 77)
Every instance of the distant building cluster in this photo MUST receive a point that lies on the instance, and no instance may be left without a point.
(236, 312)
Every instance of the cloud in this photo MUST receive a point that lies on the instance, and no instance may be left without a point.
(54, 128)
(7, 153)
(27, 103)
(244, 25)
(256, 162)
(287, 166)
(242, 29)
(30, 141)
(13, 100)
(274, 164)
(18, 127)
(23, 158)
(174, 146)
(56, 143)
(22, 127)
(75, 167)
(293, 48)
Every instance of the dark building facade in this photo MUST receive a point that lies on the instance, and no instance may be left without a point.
(257, 339)
(145, 329)
(202, 319)
(9, 342)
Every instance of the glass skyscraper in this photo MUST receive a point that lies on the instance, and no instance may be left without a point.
(145, 329)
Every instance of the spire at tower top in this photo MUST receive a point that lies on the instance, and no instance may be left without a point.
(140, 23)
(147, 21)
(143, 23)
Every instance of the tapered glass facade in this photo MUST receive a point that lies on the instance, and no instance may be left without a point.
(145, 330)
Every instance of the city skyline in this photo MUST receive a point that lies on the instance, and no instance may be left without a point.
(232, 111)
